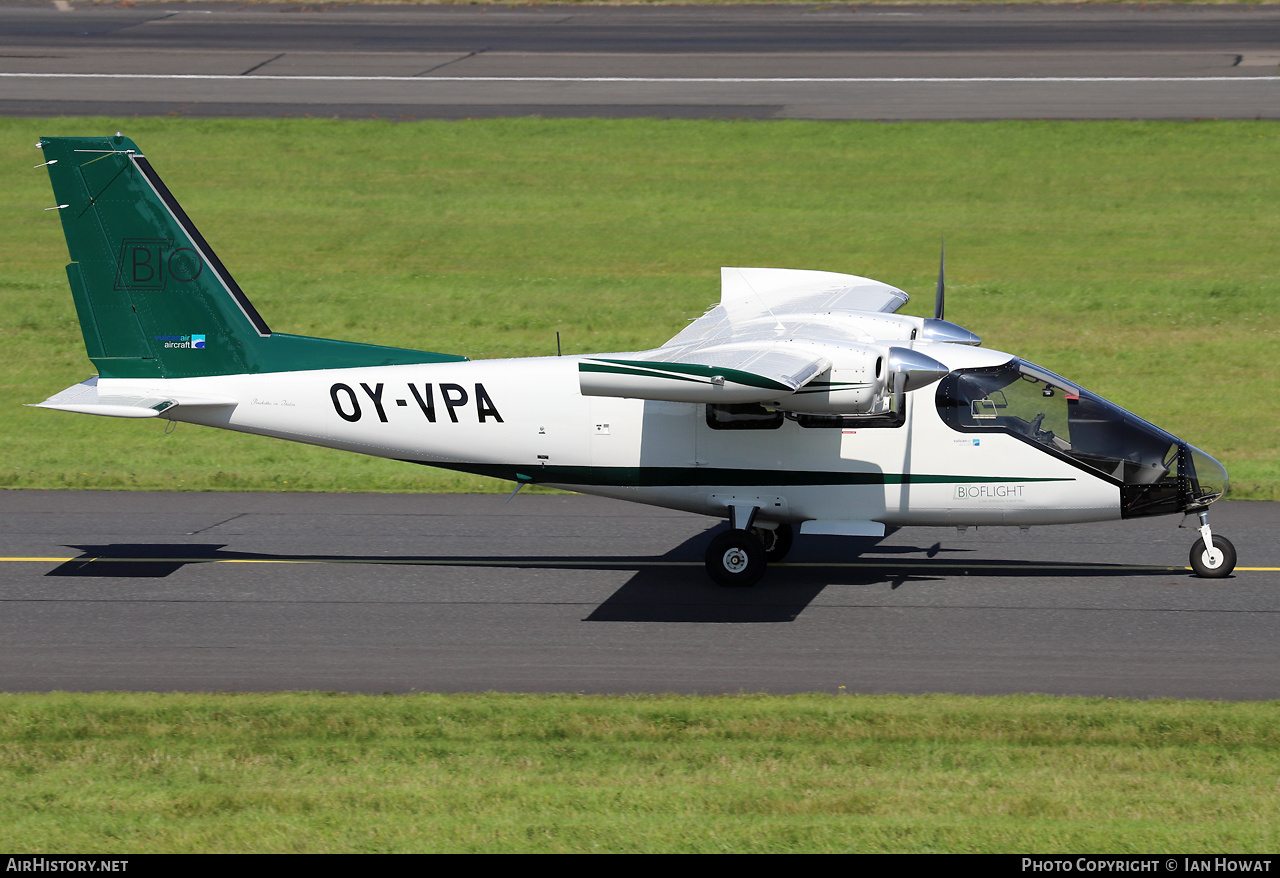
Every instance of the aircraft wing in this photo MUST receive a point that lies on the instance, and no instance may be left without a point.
(750, 296)
(749, 292)
(751, 347)
(719, 374)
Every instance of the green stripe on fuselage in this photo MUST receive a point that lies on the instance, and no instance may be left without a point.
(682, 476)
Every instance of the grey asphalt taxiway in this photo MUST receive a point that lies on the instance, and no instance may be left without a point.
(802, 62)
(378, 593)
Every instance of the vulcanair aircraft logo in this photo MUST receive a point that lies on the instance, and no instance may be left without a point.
(182, 341)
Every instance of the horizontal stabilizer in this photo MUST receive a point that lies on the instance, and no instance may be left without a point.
(84, 398)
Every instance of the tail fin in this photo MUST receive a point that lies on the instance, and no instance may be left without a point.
(153, 298)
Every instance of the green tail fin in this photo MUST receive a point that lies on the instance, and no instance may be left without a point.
(153, 298)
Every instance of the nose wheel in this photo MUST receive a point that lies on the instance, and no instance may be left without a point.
(1216, 562)
(1212, 557)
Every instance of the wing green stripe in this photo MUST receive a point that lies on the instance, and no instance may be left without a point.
(621, 370)
(674, 370)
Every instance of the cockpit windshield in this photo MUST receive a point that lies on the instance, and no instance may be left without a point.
(1157, 472)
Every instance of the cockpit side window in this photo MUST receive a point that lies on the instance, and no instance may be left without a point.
(1035, 405)
(1008, 400)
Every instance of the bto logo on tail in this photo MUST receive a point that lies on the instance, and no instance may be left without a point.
(146, 262)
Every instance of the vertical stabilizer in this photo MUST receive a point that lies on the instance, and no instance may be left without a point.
(153, 298)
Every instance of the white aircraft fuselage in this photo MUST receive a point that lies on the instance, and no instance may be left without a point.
(526, 420)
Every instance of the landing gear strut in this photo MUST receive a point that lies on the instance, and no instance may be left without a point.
(776, 542)
(1212, 557)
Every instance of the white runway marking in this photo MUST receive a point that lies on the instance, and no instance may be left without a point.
(822, 80)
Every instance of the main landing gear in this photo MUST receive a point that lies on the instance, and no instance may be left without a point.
(738, 556)
(1212, 557)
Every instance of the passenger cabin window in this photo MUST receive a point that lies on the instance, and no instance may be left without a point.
(743, 416)
(892, 417)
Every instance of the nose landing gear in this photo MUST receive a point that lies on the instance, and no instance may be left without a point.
(1212, 557)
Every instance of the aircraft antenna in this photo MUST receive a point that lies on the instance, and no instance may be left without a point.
(557, 343)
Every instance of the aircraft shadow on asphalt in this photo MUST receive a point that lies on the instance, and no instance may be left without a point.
(672, 587)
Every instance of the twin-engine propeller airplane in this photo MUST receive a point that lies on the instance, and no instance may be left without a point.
(800, 400)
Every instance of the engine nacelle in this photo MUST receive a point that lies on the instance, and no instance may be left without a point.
(862, 380)
(856, 383)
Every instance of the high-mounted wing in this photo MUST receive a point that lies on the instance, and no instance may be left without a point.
(722, 374)
(747, 292)
(774, 332)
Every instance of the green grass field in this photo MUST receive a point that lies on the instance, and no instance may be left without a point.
(512, 773)
(1134, 257)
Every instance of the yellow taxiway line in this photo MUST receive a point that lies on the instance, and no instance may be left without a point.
(569, 562)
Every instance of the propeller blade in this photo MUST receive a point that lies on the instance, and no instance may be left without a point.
(939, 302)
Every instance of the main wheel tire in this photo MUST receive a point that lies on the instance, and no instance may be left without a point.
(776, 542)
(735, 558)
(1213, 564)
